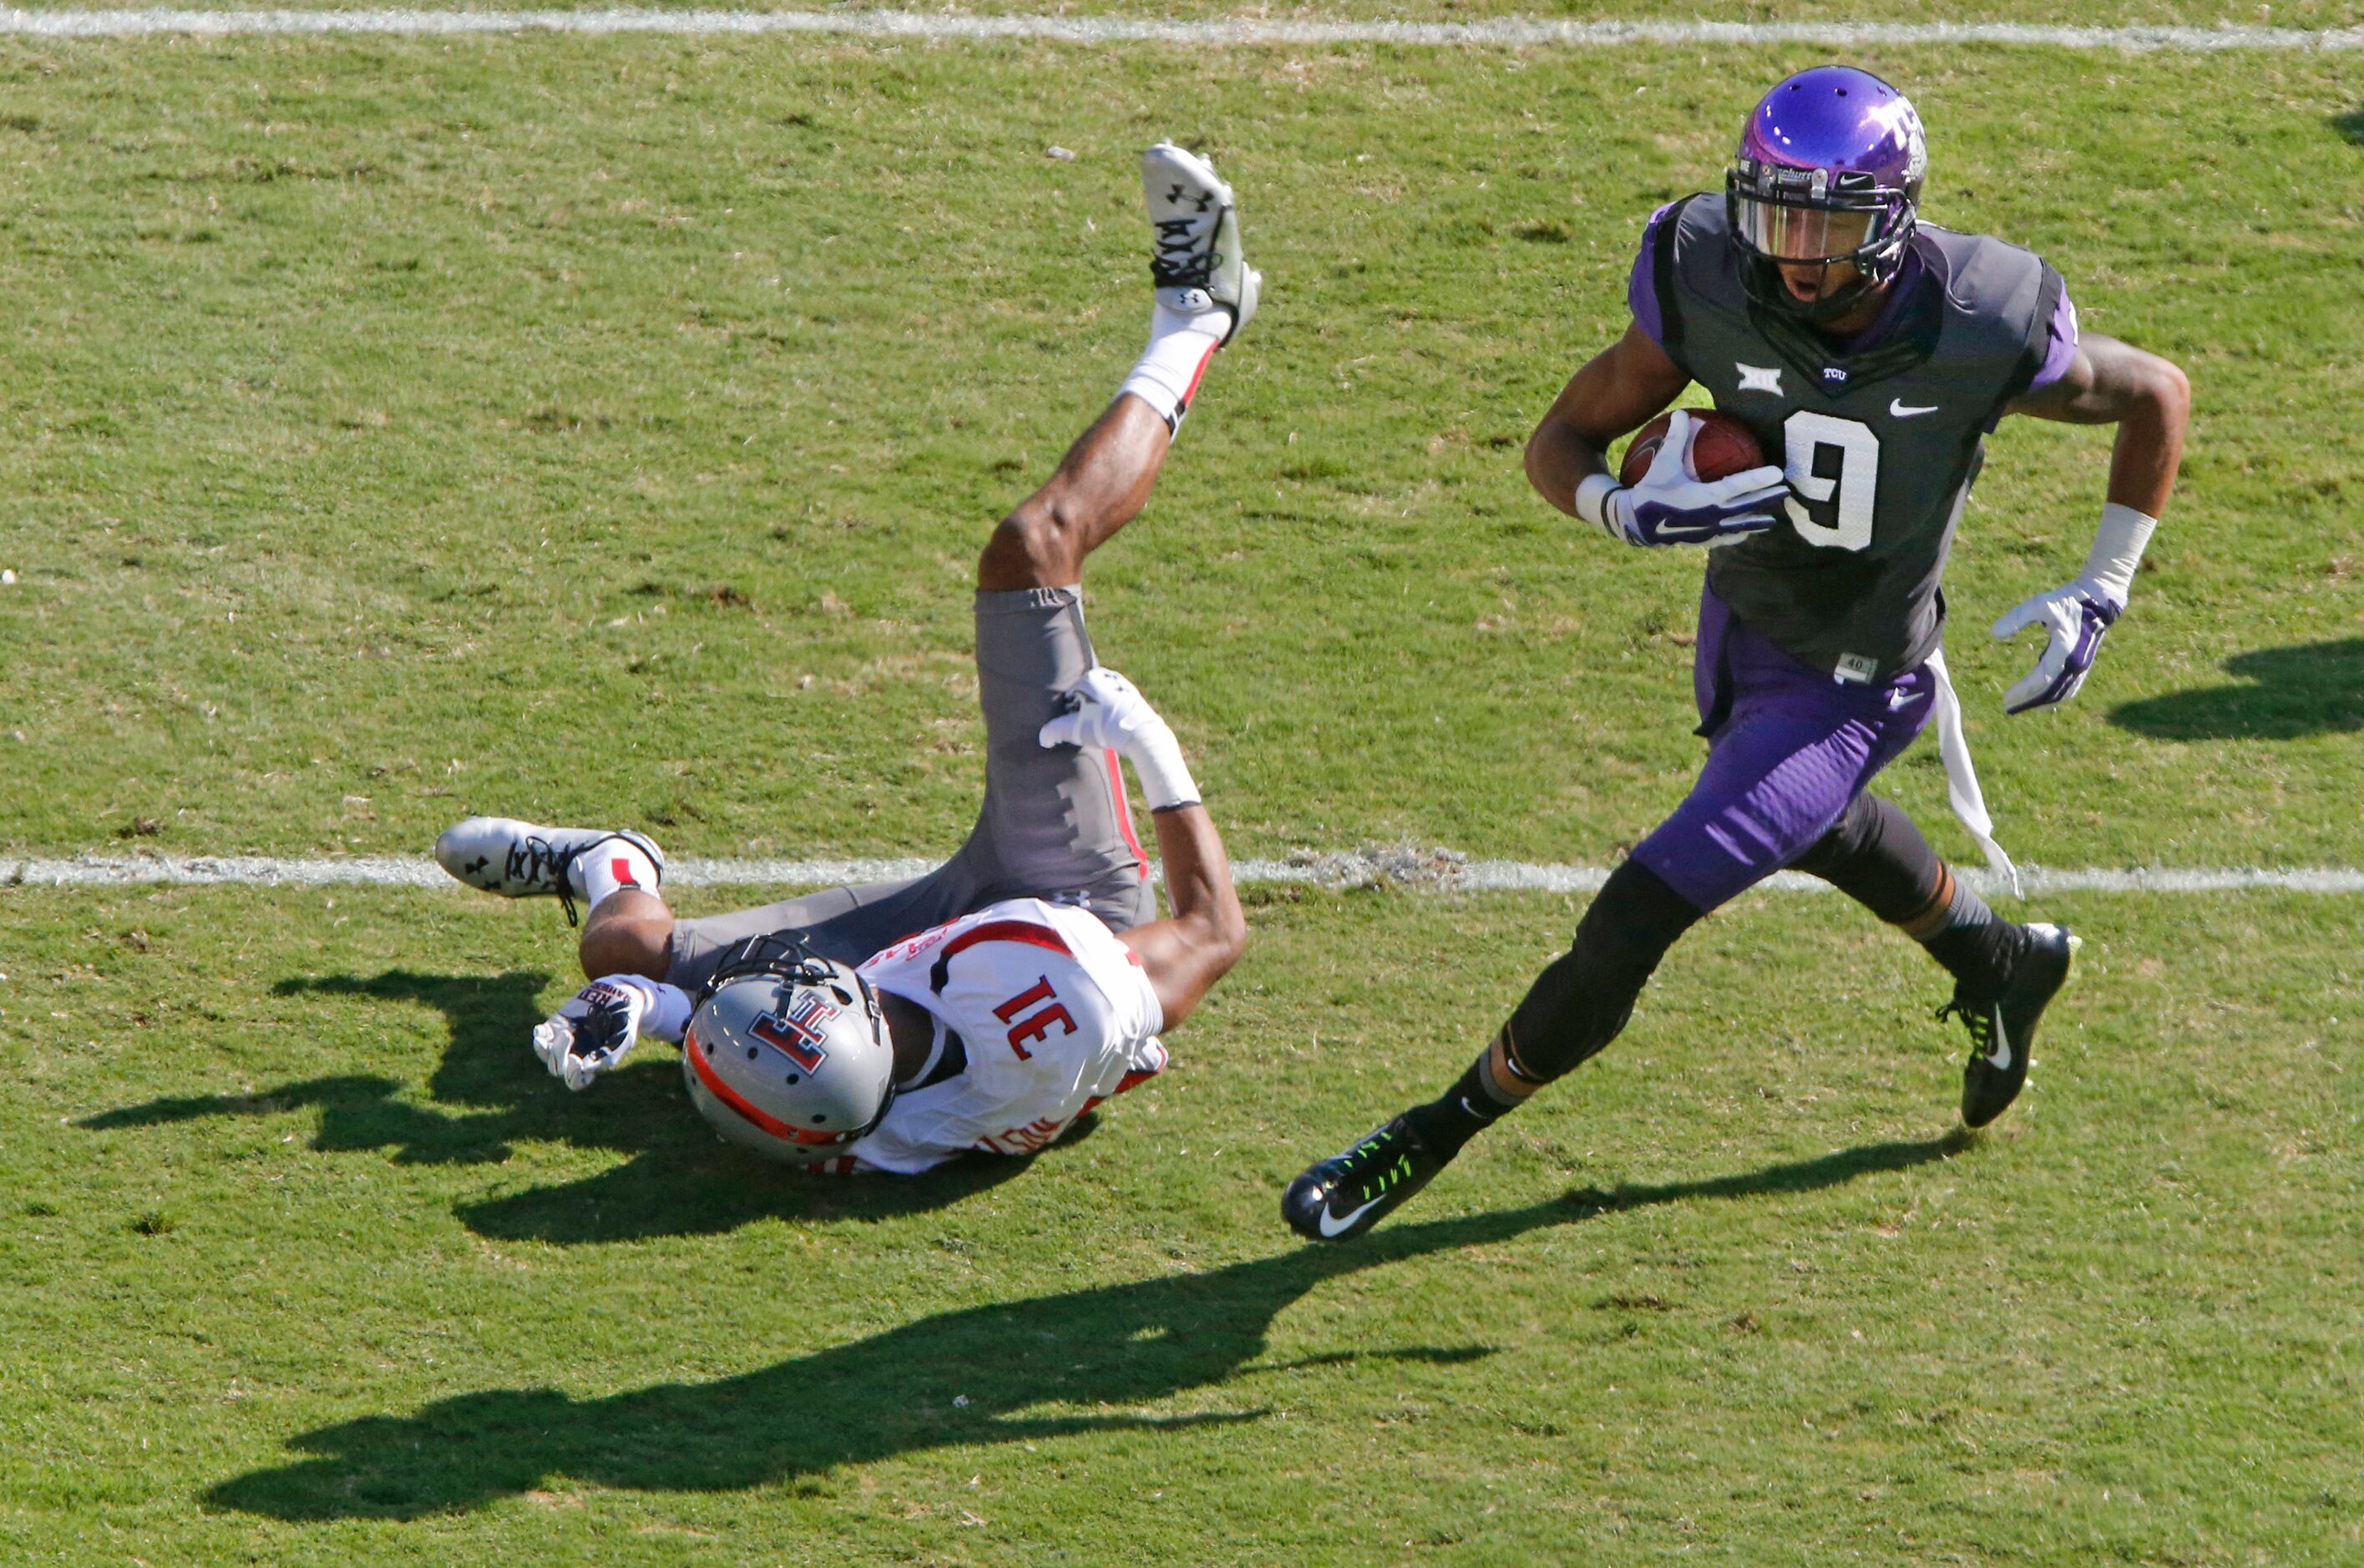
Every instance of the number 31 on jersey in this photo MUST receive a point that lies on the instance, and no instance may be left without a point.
(1035, 1025)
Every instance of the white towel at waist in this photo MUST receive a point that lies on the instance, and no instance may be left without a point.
(1962, 778)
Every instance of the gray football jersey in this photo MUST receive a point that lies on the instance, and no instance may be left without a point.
(1880, 446)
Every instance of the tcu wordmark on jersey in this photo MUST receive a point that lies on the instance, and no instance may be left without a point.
(986, 1004)
(1870, 353)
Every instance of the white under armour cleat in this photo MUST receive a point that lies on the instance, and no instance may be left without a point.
(524, 860)
(1198, 264)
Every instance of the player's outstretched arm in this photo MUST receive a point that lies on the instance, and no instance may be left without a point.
(1185, 954)
(2108, 383)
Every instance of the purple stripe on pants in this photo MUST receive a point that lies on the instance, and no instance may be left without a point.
(1788, 748)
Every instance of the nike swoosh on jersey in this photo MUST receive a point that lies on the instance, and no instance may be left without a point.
(1896, 409)
(1334, 1224)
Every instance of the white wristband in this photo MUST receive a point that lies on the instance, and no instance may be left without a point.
(2118, 550)
(668, 1016)
(1592, 493)
(1156, 758)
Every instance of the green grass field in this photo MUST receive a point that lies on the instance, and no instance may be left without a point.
(2293, 14)
(605, 428)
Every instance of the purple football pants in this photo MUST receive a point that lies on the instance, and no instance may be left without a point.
(1787, 749)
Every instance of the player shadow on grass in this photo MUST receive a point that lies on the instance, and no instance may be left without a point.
(681, 1179)
(2314, 688)
(982, 1374)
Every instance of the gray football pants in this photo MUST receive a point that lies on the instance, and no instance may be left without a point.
(1054, 825)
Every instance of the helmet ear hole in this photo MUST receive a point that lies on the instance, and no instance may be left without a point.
(844, 998)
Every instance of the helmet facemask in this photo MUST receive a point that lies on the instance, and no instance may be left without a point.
(1784, 216)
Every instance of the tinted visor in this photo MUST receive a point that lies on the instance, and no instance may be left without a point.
(1783, 233)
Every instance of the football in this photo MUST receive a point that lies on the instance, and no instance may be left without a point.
(1720, 446)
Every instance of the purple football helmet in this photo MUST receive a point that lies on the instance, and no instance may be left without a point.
(1829, 169)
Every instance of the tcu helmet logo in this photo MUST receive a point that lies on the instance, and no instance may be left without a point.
(797, 1031)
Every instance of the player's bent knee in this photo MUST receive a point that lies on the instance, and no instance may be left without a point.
(627, 944)
(1858, 826)
(1031, 548)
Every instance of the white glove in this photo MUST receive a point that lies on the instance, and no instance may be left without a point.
(1105, 709)
(1668, 507)
(593, 1033)
(2077, 616)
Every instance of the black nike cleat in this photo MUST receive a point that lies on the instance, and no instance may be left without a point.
(2003, 1029)
(1348, 1193)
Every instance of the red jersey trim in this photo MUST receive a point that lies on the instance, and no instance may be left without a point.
(992, 932)
(1132, 1079)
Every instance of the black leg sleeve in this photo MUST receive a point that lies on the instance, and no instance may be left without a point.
(1580, 1003)
(1876, 856)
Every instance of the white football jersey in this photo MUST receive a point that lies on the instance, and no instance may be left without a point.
(1041, 1014)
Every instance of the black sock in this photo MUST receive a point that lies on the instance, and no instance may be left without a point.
(1976, 946)
(1575, 1008)
(1876, 856)
(1463, 1111)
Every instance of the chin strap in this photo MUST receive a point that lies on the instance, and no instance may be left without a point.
(1763, 279)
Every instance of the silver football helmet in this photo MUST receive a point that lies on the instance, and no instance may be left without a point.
(787, 1052)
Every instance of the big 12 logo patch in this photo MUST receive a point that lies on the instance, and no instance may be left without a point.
(797, 1031)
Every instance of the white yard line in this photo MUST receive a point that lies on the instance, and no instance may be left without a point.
(1499, 32)
(1420, 872)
